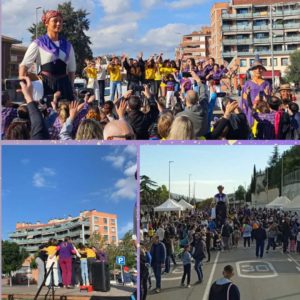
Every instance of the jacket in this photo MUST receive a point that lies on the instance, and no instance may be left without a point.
(224, 289)
(158, 253)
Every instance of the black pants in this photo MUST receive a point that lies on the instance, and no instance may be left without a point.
(76, 272)
(156, 87)
(246, 239)
(101, 84)
(144, 288)
(208, 252)
(186, 272)
(285, 244)
(90, 261)
(173, 259)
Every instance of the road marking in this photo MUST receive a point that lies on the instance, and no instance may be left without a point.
(172, 278)
(293, 260)
(298, 268)
(261, 266)
(289, 260)
(207, 289)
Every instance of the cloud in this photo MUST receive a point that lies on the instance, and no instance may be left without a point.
(147, 4)
(179, 4)
(41, 179)
(124, 229)
(130, 171)
(125, 188)
(117, 161)
(115, 6)
(131, 149)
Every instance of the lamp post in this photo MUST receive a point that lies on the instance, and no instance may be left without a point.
(272, 48)
(281, 176)
(190, 188)
(170, 161)
(36, 21)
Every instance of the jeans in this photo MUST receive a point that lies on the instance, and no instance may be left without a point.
(260, 245)
(66, 269)
(247, 239)
(198, 268)
(186, 272)
(157, 274)
(115, 85)
(271, 243)
(156, 87)
(84, 272)
(41, 269)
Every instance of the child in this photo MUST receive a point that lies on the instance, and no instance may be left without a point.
(187, 263)
(236, 236)
(83, 265)
(170, 84)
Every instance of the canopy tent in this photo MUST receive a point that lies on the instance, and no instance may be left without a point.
(185, 204)
(169, 205)
(294, 205)
(279, 202)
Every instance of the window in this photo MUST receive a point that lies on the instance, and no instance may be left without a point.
(243, 63)
(264, 61)
(113, 229)
(252, 61)
(96, 219)
(113, 238)
(106, 237)
(284, 61)
(105, 228)
(112, 222)
(105, 220)
(275, 62)
(96, 228)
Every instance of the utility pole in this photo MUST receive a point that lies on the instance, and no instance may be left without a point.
(170, 161)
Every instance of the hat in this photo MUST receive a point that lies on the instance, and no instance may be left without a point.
(285, 87)
(257, 64)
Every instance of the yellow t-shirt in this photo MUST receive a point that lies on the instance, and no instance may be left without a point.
(90, 253)
(51, 250)
(114, 73)
(91, 73)
(165, 72)
(157, 74)
(150, 73)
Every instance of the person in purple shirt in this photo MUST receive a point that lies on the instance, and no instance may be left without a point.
(101, 255)
(254, 89)
(66, 250)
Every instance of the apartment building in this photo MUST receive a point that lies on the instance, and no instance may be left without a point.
(195, 45)
(80, 228)
(255, 27)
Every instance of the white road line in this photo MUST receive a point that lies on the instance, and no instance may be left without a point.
(293, 260)
(206, 293)
(289, 260)
(298, 268)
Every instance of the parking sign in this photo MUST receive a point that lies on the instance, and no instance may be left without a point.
(120, 260)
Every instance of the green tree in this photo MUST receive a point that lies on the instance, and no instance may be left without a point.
(75, 25)
(96, 240)
(12, 258)
(163, 194)
(204, 204)
(240, 193)
(293, 71)
(148, 191)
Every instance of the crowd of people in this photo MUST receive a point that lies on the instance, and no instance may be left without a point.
(71, 264)
(191, 237)
(164, 100)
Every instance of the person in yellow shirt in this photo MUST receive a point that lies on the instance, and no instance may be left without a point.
(91, 72)
(166, 70)
(91, 257)
(51, 250)
(150, 74)
(114, 69)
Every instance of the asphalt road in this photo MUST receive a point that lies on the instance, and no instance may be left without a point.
(274, 277)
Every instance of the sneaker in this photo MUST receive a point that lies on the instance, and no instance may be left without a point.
(267, 251)
(157, 291)
(188, 286)
(199, 281)
(183, 285)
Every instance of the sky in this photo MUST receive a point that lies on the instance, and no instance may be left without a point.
(119, 26)
(209, 166)
(46, 182)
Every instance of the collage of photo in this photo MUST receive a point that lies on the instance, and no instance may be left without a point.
(147, 153)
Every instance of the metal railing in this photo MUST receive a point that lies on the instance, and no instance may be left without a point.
(51, 286)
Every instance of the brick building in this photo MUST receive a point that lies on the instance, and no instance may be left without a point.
(80, 228)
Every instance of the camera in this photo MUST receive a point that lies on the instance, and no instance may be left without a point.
(186, 74)
(13, 84)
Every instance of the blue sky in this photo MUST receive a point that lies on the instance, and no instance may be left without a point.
(210, 166)
(118, 26)
(45, 182)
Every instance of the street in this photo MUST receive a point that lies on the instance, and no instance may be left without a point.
(275, 276)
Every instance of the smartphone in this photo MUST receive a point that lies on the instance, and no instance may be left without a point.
(221, 95)
(13, 84)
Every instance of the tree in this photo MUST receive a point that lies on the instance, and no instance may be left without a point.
(253, 181)
(12, 258)
(205, 204)
(163, 194)
(240, 193)
(293, 71)
(148, 192)
(96, 240)
(75, 25)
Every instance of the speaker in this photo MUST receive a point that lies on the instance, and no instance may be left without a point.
(101, 276)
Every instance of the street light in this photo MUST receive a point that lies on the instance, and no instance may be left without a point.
(190, 187)
(170, 161)
(36, 21)
(281, 176)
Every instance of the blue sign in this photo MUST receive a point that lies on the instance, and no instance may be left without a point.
(120, 260)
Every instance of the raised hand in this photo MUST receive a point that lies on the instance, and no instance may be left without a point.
(26, 88)
(73, 109)
(121, 110)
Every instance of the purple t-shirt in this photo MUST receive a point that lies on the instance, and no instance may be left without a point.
(65, 250)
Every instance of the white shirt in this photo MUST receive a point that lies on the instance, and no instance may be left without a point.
(101, 75)
(160, 232)
(36, 54)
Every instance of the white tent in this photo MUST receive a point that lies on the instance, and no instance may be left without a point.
(169, 205)
(279, 202)
(185, 204)
(294, 205)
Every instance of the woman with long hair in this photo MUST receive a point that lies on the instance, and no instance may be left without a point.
(182, 129)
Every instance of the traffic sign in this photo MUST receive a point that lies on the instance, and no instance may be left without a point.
(120, 260)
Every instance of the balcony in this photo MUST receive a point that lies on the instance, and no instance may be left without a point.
(292, 38)
(264, 27)
(262, 41)
(278, 39)
(236, 16)
(261, 14)
(236, 28)
(292, 26)
(229, 54)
